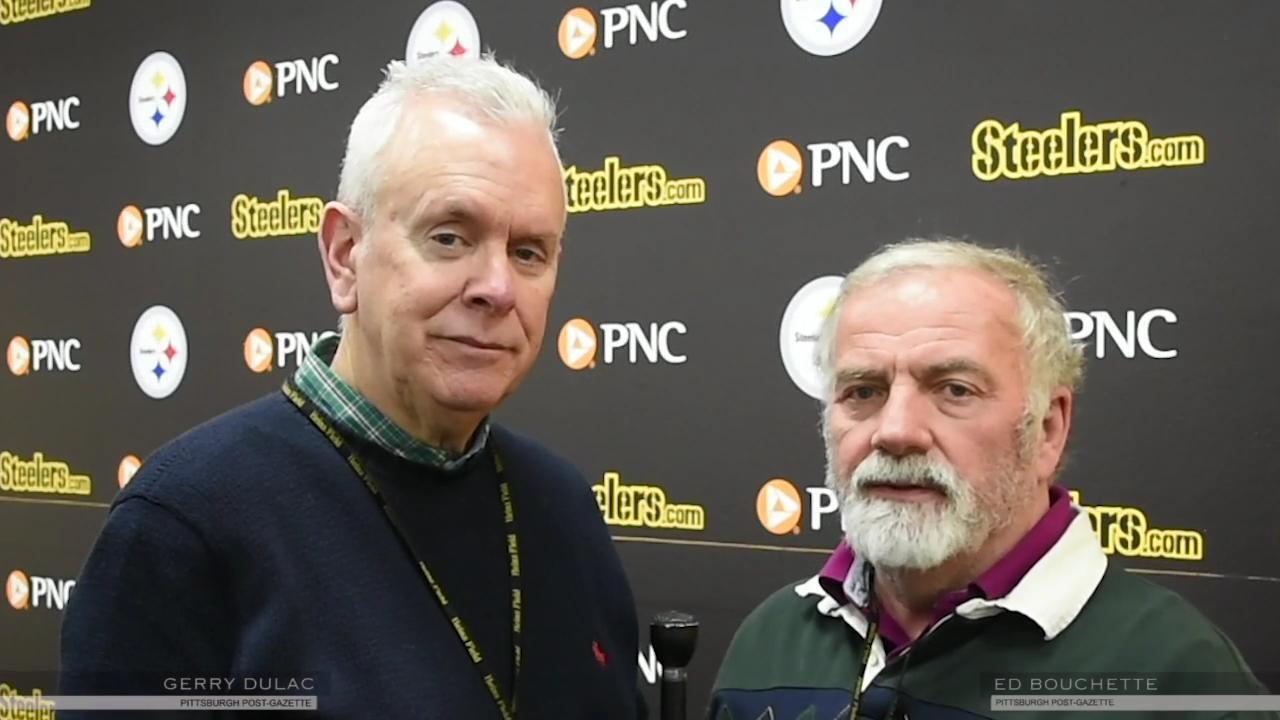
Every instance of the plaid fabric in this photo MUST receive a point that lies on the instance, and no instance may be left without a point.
(355, 414)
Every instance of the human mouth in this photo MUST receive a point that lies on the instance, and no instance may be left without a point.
(905, 492)
(477, 343)
(913, 492)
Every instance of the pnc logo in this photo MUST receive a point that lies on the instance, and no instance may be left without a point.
(263, 80)
(778, 507)
(30, 591)
(127, 469)
(781, 507)
(579, 29)
(129, 226)
(134, 224)
(18, 121)
(17, 588)
(43, 116)
(577, 34)
(780, 168)
(42, 355)
(258, 83)
(781, 165)
(259, 350)
(577, 344)
(264, 350)
(19, 356)
(1130, 337)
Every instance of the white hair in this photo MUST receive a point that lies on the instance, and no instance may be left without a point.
(1052, 358)
(482, 85)
(919, 536)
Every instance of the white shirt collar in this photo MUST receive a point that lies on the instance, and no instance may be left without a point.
(1051, 594)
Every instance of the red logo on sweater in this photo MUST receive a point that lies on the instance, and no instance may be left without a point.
(599, 653)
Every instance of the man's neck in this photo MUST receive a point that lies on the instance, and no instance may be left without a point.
(911, 595)
(433, 425)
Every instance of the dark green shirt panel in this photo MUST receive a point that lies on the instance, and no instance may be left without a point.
(1130, 626)
(786, 642)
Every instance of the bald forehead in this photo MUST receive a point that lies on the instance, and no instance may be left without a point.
(914, 299)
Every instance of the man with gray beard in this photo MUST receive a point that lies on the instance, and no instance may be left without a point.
(965, 572)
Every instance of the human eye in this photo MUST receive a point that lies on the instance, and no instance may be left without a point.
(444, 244)
(860, 394)
(529, 254)
(957, 391)
(446, 239)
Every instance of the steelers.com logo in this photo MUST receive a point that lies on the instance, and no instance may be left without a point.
(829, 27)
(158, 352)
(158, 98)
(444, 28)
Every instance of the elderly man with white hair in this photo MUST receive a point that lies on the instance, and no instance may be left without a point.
(367, 535)
(951, 382)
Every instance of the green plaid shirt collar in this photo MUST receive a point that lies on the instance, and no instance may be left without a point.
(356, 415)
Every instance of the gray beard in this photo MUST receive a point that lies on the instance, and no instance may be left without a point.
(921, 535)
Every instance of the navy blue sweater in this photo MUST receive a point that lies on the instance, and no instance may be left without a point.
(247, 547)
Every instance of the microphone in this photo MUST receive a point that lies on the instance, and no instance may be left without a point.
(673, 635)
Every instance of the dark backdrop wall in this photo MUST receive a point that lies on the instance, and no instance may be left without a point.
(1131, 146)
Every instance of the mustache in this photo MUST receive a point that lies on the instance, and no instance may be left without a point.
(909, 471)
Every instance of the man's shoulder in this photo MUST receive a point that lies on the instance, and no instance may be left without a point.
(788, 639)
(235, 448)
(526, 455)
(1152, 607)
(1132, 613)
(546, 481)
(795, 607)
(790, 603)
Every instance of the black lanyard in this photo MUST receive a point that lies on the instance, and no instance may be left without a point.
(508, 709)
(873, 627)
(873, 630)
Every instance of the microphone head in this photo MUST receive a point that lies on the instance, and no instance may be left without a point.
(674, 635)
